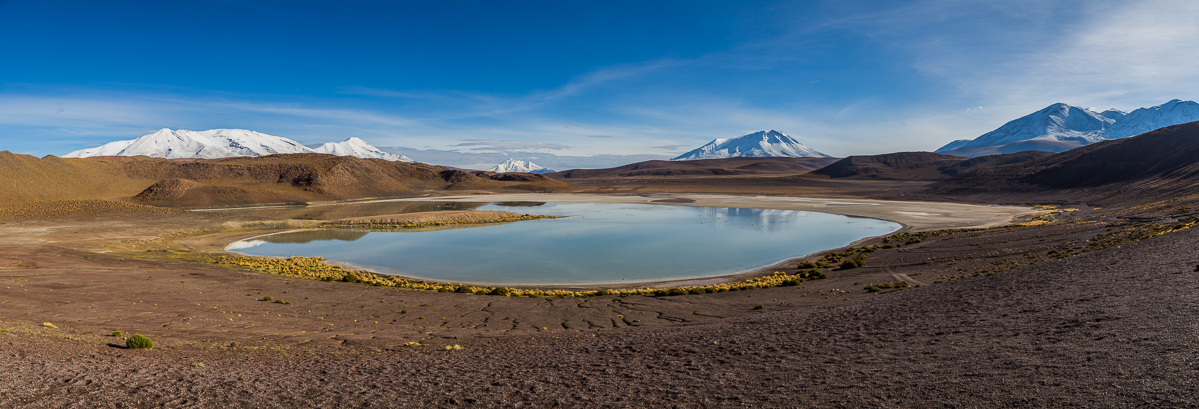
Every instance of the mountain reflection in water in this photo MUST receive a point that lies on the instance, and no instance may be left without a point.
(346, 210)
(599, 243)
(308, 236)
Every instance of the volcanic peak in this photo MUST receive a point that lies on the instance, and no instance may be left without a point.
(761, 144)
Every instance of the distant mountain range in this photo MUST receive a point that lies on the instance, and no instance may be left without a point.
(226, 143)
(358, 148)
(520, 166)
(1060, 127)
(761, 144)
(1159, 163)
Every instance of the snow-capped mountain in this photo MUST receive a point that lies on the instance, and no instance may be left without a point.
(519, 166)
(1060, 127)
(1153, 118)
(358, 147)
(211, 144)
(225, 143)
(761, 144)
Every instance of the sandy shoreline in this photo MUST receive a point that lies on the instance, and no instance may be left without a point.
(912, 215)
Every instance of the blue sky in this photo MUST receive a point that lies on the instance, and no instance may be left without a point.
(579, 78)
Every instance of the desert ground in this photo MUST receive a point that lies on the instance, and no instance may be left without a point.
(1083, 300)
(1113, 327)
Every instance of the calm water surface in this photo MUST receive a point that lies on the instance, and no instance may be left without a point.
(603, 243)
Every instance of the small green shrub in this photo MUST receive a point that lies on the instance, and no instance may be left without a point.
(403, 311)
(807, 264)
(279, 301)
(139, 341)
(793, 282)
(117, 334)
(813, 274)
(267, 298)
(233, 344)
(463, 289)
(3, 331)
(888, 287)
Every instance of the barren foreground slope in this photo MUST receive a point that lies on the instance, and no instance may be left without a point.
(1113, 327)
(1091, 305)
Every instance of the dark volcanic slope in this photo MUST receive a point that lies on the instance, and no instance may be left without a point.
(1112, 328)
(917, 165)
(703, 167)
(1161, 163)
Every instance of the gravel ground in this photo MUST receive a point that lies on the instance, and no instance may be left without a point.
(1116, 327)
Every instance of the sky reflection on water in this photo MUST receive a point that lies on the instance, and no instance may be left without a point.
(603, 243)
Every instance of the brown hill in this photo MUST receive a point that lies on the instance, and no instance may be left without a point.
(703, 167)
(901, 165)
(25, 178)
(1158, 163)
(917, 165)
(236, 181)
(189, 193)
(992, 160)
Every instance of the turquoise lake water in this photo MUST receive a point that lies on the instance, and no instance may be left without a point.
(603, 243)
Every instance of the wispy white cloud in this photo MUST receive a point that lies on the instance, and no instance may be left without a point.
(1011, 57)
(507, 146)
(673, 147)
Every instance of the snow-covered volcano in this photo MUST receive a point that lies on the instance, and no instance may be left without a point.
(1060, 127)
(225, 143)
(519, 166)
(761, 144)
(358, 147)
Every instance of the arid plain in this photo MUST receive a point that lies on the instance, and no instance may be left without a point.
(1002, 290)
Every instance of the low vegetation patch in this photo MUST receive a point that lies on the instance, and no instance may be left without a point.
(139, 341)
(887, 287)
(854, 257)
(316, 268)
(813, 274)
(76, 208)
